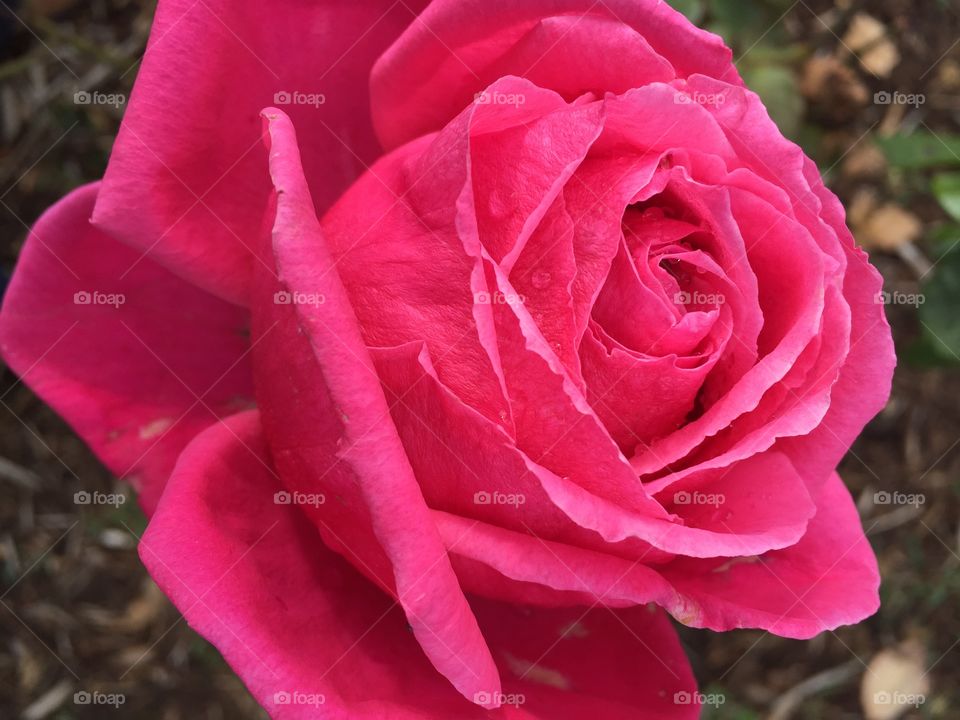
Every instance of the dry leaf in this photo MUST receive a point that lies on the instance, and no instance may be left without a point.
(864, 31)
(895, 681)
(49, 8)
(866, 160)
(867, 37)
(889, 228)
(139, 613)
(833, 89)
(882, 59)
(861, 208)
(948, 76)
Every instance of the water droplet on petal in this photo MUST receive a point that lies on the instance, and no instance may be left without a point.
(540, 279)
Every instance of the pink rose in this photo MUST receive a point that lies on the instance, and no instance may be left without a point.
(578, 333)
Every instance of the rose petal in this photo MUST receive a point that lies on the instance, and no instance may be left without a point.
(309, 635)
(638, 398)
(470, 466)
(360, 444)
(188, 156)
(793, 301)
(137, 379)
(864, 382)
(570, 663)
(454, 48)
(408, 236)
(829, 578)
(288, 614)
(518, 172)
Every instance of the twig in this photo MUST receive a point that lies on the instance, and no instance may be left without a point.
(787, 703)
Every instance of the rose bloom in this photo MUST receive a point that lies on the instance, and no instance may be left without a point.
(453, 349)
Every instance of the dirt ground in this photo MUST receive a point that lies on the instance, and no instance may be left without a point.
(79, 611)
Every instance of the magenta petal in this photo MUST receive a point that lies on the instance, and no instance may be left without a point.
(290, 616)
(185, 181)
(829, 578)
(569, 664)
(365, 442)
(455, 47)
(137, 360)
(863, 385)
(311, 638)
(465, 462)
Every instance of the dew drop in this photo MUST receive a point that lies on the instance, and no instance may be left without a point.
(540, 279)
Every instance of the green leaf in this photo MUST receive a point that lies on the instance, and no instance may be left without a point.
(778, 88)
(921, 150)
(926, 352)
(693, 9)
(938, 313)
(946, 187)
(745, 24)
(944, 239)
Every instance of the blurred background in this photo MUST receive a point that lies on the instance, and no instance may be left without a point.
(870, 89)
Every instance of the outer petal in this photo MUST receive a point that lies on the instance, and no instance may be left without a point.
(300, 626)
(337, 424)
(458, 47)
(571, 663)
(829, 578)
(863, 386)
(137, 379)
(188, 156)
